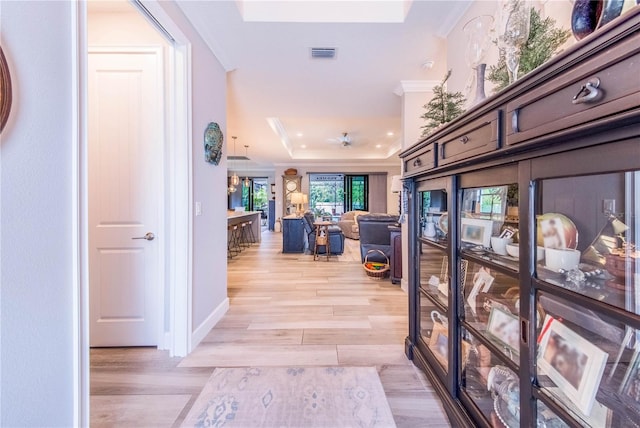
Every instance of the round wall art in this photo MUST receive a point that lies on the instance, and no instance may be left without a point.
(5, 90)
(213, 143)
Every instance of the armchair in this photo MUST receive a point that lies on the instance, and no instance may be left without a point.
(375, 235)
(336, 238)
(349, 223)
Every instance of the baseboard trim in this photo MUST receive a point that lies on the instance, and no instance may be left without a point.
(206, 326)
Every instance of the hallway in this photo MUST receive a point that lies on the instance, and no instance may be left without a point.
(285, 310)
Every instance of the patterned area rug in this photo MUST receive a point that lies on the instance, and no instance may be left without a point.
(292, 397)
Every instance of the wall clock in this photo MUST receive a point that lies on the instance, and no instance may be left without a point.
(290, 184)
(5, 90)
(213, 143)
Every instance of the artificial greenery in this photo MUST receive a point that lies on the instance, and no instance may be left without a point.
(543, 42)
(443, 107)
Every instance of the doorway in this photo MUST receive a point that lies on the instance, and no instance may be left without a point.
(175, 309)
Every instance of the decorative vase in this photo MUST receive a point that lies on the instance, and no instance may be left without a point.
(515, 25)
(584, 17)
(477, 32)
(430, 229)
(480, 95)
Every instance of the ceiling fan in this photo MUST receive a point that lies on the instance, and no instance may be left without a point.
(344, 140)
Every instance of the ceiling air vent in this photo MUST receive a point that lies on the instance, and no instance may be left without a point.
(237, 158)
(323, 53)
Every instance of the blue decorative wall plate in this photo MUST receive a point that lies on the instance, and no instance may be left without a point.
(213, 143)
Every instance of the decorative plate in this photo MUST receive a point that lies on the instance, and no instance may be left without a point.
(5, 90)
(213, 143)
(556, 231)
(443, 223)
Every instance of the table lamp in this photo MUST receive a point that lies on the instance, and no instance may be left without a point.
(297, 198)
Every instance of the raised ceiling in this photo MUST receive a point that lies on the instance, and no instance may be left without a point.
(293, 109)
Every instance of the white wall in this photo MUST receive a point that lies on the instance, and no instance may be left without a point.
(36, 239)
(209, 93)
(35, 217)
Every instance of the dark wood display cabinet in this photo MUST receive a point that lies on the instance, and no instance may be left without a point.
(533, 320)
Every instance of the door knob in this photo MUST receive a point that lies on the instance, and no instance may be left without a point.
(148, 236)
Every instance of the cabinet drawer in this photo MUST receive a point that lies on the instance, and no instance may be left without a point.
(475, 138)
(424, 160)
(565, 103)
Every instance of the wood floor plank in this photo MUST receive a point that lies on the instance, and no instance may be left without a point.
(234, 355)
(135, 411)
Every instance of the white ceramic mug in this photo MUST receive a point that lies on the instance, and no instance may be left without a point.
(499, 245)
(561, 258)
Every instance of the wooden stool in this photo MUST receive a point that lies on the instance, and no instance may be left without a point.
(233, 244)
(244, 235)
(251, 237)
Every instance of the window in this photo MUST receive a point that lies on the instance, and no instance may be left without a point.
(252, 197)
(326, 194)
(334, 194)
(356, 193)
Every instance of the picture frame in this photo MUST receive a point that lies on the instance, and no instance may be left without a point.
(504, 327)
(573, 363)
(444, 275)
(630, 386)
(476, 231)
(482, 281)
(439, 345)
(444, 270)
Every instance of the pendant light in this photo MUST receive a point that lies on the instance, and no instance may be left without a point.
(246, 179)
(235, 180)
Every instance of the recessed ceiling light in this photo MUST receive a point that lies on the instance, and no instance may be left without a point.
(389, 134)
(304, 146)
(378, 146)
(299, 134)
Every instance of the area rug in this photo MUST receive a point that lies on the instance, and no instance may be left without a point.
(330, 397)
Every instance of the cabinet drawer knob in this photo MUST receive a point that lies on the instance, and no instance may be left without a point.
(588, 92)
(464, 139)
(417, 162)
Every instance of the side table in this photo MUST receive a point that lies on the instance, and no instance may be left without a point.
(322, 238)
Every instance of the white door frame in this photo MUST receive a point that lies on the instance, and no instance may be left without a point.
(178, 173)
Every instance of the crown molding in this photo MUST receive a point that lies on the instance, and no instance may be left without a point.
(406, 86)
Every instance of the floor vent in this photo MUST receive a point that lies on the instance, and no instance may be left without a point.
(323, 53)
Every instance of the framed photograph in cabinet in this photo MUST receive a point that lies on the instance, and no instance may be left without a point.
(482, 281)
(439, 342)
(630, 387)
(573, 363)
(504, 327)
(476, 231)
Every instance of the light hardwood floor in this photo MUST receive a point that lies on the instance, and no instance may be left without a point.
(285, 310)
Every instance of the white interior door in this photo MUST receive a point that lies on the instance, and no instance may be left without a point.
(125, 187)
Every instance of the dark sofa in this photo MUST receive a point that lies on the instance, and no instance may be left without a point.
(336, 237)
(374, 235)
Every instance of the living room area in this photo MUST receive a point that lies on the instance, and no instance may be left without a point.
(304, 205)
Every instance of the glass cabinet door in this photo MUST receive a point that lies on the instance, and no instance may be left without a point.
(434, 284)
(587, 353)
(489, 287)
